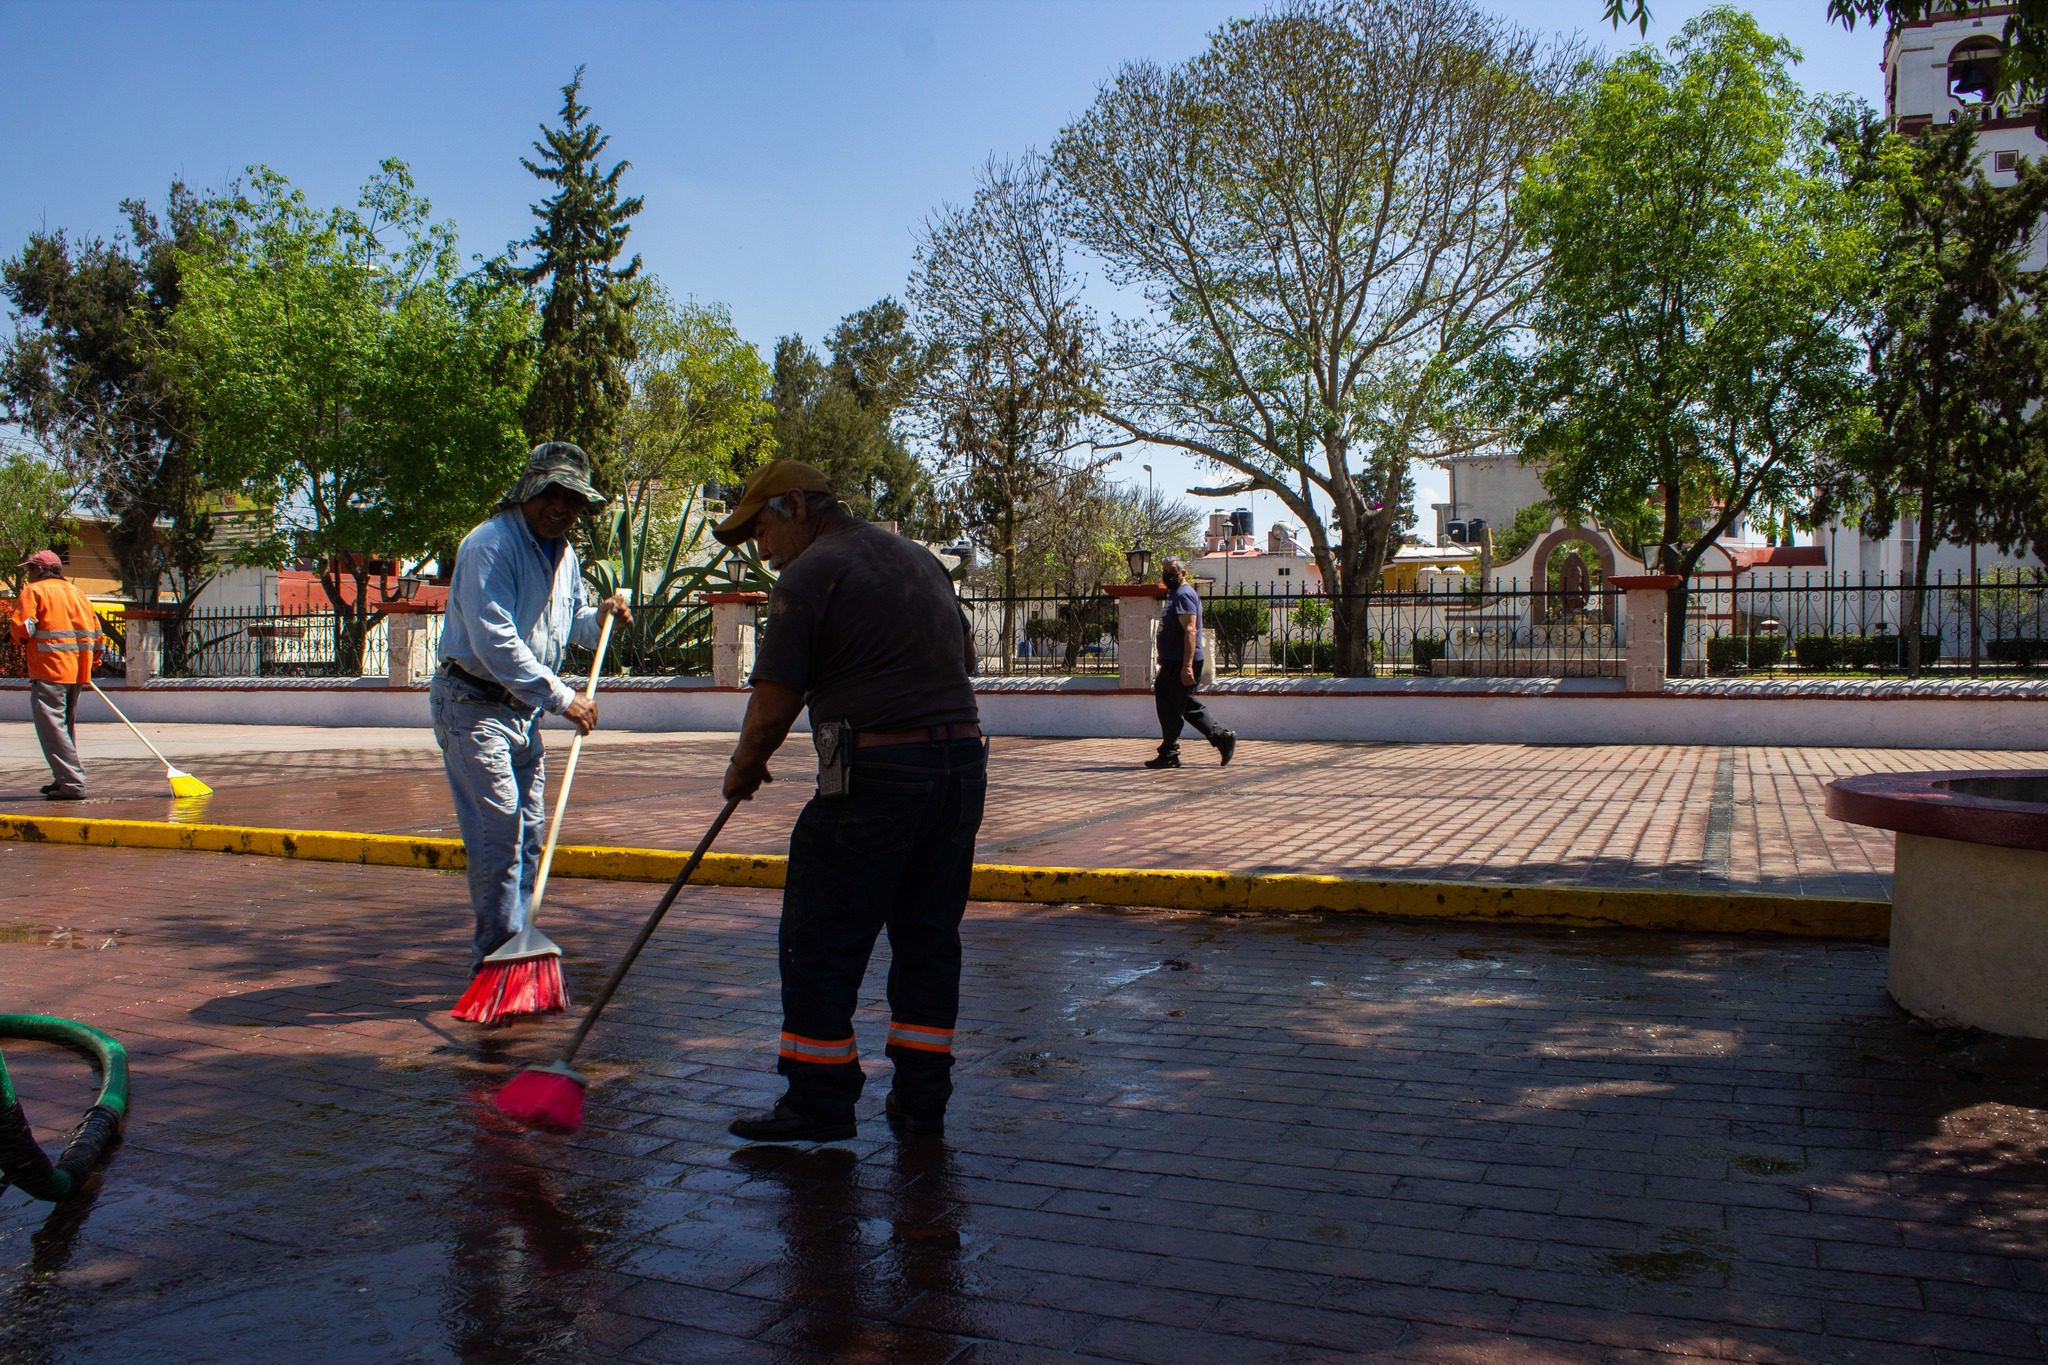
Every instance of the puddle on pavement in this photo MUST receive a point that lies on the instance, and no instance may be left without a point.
(61, 936)
(1029, 1064)
(190, 810)
(1692, 1256)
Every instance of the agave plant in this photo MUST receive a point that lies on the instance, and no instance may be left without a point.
(671, 628)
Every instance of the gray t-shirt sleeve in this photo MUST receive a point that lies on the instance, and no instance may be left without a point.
(866, 625)
(789, 640)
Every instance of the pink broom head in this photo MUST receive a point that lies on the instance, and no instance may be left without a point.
(549, 1097)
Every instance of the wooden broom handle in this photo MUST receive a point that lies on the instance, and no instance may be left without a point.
(547, 857)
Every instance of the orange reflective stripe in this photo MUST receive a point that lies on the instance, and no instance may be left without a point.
(798, 1048)
(920, 1037)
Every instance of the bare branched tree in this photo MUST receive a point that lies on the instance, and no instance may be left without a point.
(1316, 214)
(1003, 396)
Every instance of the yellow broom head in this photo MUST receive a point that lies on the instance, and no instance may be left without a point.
(184, 784)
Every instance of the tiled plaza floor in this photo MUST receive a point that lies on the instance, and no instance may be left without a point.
(1686, 818)
(1177, 1137)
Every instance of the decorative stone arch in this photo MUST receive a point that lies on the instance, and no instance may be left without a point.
(1548, 604)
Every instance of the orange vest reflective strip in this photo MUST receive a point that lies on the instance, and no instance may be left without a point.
(798, 1048)
(920, 1037)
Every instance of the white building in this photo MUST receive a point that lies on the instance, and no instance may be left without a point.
(1941, 70)
(1233, 560)
(1488, 488)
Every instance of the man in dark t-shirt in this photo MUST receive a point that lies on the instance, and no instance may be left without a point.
(1180, 665)
(864, 627)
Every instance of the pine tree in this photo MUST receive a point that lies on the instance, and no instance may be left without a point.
(586, 311)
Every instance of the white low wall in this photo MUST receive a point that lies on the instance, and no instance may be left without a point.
(1876, 714)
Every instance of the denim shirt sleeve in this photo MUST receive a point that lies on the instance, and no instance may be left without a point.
(485, 592)
(583, 616)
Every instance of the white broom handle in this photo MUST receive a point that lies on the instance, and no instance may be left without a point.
(125, 721)
(547, 857)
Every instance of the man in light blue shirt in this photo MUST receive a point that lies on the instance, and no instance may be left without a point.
(516, 603)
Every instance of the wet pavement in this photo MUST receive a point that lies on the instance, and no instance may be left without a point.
(1177, 1137)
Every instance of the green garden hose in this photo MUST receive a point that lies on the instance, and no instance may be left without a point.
(22, 1159)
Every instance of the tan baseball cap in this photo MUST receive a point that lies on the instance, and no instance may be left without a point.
(770, 480)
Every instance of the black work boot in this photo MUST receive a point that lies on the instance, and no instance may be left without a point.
(1171, 760)
(914, 1123)
(1226, 744)
(782, 1124)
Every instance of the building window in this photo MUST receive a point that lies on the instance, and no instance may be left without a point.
(2005, 161)
(1973, 70)
(1283, 571)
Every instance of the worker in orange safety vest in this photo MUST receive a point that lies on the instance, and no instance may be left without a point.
(60, 633)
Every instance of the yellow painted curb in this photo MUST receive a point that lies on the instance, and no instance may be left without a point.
(1279, 893)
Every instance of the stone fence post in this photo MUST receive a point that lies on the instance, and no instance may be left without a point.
(406, 635)
(1645, 601)
(1136, 606)
(143, 628)
(732, 636)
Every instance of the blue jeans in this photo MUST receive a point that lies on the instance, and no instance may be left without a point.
(497, 771)
(894, 853)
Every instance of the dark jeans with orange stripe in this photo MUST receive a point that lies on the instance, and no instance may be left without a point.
(894, 853)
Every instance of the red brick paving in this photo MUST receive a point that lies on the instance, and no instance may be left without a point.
(1688, 818)
(1178, 1137)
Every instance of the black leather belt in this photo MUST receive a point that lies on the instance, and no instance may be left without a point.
(488, 690)
(930, 734)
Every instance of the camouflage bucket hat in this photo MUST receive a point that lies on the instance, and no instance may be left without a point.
(562, 463)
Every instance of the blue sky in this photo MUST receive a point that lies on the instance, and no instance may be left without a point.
(787, 149)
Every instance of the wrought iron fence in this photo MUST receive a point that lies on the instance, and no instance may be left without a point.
(1757, 624)
(252, 643)
(1809, 623)
(1044, 636)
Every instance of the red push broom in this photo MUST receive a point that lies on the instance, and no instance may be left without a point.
(551, 1096)
(524, 976)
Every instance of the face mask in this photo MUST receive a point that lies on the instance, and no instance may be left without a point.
(1172, 580)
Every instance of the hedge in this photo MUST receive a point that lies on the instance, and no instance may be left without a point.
(1727, 653)
(1317, 656)
(1861, 651)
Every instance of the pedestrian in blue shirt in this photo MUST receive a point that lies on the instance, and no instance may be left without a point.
(1180, 664)
(516, 603)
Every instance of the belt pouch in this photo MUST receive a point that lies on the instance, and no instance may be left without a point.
(834, 742)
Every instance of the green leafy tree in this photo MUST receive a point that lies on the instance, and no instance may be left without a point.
(697, 408)
(1313, 212)
(1955, 437)
(1528, 524)
(35, 511)
(698, 411)
(1238, 619)
(2025, 36)
(587, 299)
(1691, 345)
(344, 374)
(85, 375)
(1068, 547)
(845, 416)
